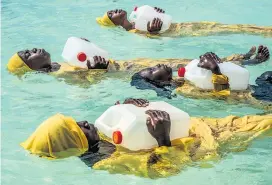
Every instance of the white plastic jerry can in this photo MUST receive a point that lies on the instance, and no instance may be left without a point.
(77, 51)
(144, 14)
(126, 124)
(202, 78)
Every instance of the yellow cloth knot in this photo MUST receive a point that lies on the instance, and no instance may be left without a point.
(221, 80)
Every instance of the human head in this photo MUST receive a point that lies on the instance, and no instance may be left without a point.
(91, 134)
(159, 72)
(113, 18)
(36, 59)
(158, 78)
(262, 91)
(117, 16)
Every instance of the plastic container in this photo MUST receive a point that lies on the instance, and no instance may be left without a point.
(77, 51)
(126, 124)
(142, 15)
(202, 78)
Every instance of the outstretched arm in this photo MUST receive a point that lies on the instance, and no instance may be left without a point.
(246, 59)
(238, 58)
(261, 56)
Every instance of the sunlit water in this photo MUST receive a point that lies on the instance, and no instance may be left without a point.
(27, 102)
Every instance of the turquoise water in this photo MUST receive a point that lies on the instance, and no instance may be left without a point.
(27, 102)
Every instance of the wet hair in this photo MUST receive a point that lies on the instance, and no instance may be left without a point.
(162, 89)
(263, 89)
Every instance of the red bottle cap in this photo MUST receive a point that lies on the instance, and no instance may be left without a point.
(181, 71)
(135, 9)
(81, 56)
(117, 137)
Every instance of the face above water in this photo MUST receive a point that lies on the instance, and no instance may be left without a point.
(91, 134)
(36, 59)
(117, 16)
(160, 72)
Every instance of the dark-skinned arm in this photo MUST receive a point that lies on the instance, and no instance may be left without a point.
(155, 26)
(158, 124)
(210, 62)
(261, 56)
(98, 63)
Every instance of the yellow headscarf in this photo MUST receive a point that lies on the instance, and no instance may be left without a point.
(16, 65)
(57, 137)
(105, 20)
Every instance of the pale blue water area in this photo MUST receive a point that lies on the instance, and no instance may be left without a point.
(27, 102)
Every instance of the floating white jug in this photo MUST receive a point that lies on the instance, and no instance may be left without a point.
(126, 124)
(202, 78)
(144, 14)
(77, 51)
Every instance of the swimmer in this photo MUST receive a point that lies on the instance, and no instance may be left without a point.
(40, 60)
(118, 17)
(61, 136)
(160, 79)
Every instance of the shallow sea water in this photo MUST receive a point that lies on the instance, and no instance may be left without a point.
(27, 102)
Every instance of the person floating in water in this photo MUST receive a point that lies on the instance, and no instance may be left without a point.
(40, 60)
(61, 136)
(160, 79)
(118, 17)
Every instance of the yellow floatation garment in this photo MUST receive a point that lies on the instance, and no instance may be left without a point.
(79, 76)
(57, 137)
(209, 137)
(105, 21)
(60, 137)
(144, 33)
(17, 65)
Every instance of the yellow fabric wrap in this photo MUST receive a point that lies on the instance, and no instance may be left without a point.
(80, 76)
(144, 33)
(105, 21)
(220, 80)
(17, 65)
(209, 137)
(57, 137)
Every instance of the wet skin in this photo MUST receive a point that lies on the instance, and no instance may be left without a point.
(160, 73)
(210, 62)
(91, 134)
(262, 55)
(38, 60)
(117, 16)
(98, 63)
